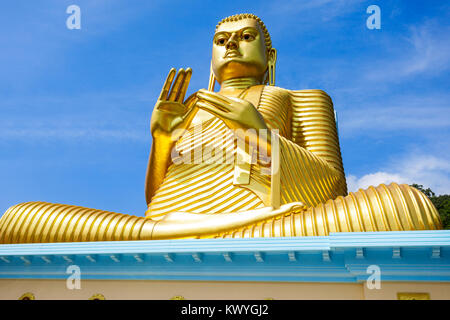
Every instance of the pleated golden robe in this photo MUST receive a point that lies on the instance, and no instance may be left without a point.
(205, 178)
(202, 181)
(311, 172)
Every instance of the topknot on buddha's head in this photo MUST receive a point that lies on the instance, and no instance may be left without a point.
(242, 16)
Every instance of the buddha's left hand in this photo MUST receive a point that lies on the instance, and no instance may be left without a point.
(234, 112)
(237, 114)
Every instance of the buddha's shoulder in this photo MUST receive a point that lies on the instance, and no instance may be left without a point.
(295, 95)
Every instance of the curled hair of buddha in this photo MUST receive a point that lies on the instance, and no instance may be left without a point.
(242, 16)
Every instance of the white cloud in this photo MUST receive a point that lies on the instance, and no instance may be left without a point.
(431, 49)
(428, 170)
(425, 50)
(373, 179)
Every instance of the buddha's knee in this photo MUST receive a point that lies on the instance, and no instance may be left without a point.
(384, 208)
(48, 222)
(390, 207)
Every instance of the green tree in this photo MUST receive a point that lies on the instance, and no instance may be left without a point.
(441, 202)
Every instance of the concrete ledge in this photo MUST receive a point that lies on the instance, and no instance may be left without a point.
(341, 257)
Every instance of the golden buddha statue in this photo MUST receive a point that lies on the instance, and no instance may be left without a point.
(251, 160)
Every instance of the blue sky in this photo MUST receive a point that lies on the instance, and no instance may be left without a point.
(76, 104)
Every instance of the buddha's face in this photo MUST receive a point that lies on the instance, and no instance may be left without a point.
(239, 50)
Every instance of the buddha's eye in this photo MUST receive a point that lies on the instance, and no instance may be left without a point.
(248, 37)
(221, 41)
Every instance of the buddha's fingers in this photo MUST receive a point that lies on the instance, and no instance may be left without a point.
(177, 84)
(184, 86)
(167, 84)
(215, 110)
(215, 101)
(216, 96)
(189, 225)
(192, 109)
(171, 107)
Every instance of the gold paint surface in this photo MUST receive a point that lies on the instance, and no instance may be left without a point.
(251, 160)
(27, 296)
(97, 296)
(413, 296)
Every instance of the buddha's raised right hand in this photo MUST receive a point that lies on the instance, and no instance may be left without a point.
(171, 116)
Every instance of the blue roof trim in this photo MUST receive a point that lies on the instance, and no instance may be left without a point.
(391, 239)
(174, 246)
(340, 257)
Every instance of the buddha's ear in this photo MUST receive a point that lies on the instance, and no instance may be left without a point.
(212, 79)
(271, 61)
(272, 56)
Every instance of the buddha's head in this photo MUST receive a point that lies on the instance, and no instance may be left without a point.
(242, 48)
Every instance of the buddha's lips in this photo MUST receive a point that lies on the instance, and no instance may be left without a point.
(232, 53)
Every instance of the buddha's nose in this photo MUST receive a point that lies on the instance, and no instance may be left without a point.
(232, 42)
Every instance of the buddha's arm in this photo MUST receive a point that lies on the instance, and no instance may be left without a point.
(170, 117)
(180, 225)
(308, 145)
(310, 159)
(161, 152)
(307, 177)
(158, 162)
(314, 126)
